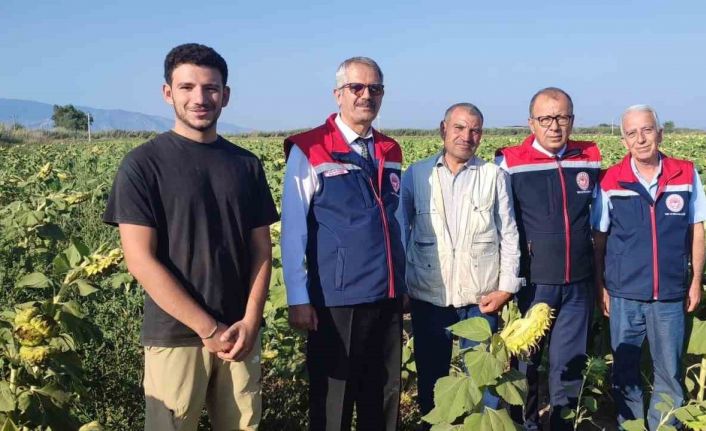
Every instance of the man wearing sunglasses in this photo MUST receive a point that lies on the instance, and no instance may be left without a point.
(343, 258)
(553, 182)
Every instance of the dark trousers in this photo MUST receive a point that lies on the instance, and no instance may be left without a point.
(433, 345)
(354, 359)
(568, 341)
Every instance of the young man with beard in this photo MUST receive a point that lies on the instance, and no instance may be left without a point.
(342, 256)
(462, 245)
(553, 182)
(193, 212)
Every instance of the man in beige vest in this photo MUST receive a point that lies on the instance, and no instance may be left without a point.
(462, 244)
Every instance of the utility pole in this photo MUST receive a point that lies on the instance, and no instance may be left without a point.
(88, 124)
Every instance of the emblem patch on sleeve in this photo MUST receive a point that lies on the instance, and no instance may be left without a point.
(395, 182)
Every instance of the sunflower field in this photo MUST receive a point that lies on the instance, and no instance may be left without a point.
(70, 314)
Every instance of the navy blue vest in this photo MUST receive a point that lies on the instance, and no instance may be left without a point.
(354, 251)
(552, 200)
(647, 236)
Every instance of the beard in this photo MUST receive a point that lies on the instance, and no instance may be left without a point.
(200, 125)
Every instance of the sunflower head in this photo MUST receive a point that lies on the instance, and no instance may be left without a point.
(522, 336)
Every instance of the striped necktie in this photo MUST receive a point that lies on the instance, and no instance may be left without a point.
(363, 145)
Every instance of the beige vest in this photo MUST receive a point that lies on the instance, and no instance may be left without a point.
(443, 273)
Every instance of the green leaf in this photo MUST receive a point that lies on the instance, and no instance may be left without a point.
(483, 366)
(692, 415)
(497, 420)
(120, 279)
(663, 407)
(689, 383)
(54, 392)
(76, 251)
(697, 337)
(84, 287)
(51, 231)
(79, 328)
(7, 398)
(9, 426)
(475, 329)
(61, 264)
(35, 280)
(452, 398)
(590, 403)
(634, 425)
(568, 414)
(512, 387)
(473, 422)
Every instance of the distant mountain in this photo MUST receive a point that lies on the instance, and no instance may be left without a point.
(37, 115)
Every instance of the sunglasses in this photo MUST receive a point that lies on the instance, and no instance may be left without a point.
(358, 89)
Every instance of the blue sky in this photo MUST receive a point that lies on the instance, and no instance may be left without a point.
(282, 55)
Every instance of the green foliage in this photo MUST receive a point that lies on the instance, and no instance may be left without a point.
(53, 188)
(458, 398)
(70, 117)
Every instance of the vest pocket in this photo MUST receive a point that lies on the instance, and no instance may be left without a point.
(340, 265)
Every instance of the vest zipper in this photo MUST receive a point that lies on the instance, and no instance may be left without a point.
(567, 230)
(655, 260)
(386, 228)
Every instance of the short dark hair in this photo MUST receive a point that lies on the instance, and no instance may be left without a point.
(552, 92)
(196, 54)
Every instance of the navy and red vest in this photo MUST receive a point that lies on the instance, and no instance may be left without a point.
(648, 247)
(552, 197)
(354, 250)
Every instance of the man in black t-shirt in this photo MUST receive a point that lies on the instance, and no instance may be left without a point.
(194, 212)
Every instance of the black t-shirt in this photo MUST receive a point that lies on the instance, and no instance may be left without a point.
(203, 200)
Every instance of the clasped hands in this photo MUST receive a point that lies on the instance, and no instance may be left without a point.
(232, 343)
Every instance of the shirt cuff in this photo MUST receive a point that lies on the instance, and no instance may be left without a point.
(297, 296)
(509, 283)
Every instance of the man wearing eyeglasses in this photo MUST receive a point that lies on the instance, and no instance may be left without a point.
(648, 223)
(342, 256)
(553, 181)
(462, 245)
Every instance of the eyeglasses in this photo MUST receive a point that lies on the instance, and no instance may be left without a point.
(358, 89)
(547, 120)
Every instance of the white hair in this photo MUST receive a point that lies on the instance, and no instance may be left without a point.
(640, 108)
(343, 67)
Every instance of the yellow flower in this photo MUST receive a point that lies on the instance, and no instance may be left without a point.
(35, 355)
(77, 198)
(44, 171)
(62, 176)
(99, 263)
(24, 316)
(522, 336)
(34, 331)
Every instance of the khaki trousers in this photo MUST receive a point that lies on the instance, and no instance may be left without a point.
(179, 380)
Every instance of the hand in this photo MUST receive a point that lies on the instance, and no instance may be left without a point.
(603, 300)
(214, 344)
(693, 298)
(493, 302)
(242, 336)
(406, 306)
(303, 316)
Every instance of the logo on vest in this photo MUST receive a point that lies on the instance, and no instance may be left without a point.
(395, 182)
(583, 180)
(675, 203)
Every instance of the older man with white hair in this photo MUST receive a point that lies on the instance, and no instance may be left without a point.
(648, 224)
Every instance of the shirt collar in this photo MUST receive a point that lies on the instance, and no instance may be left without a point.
(542, 150)
(470, 163)
(637, 173)
(348, 134)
